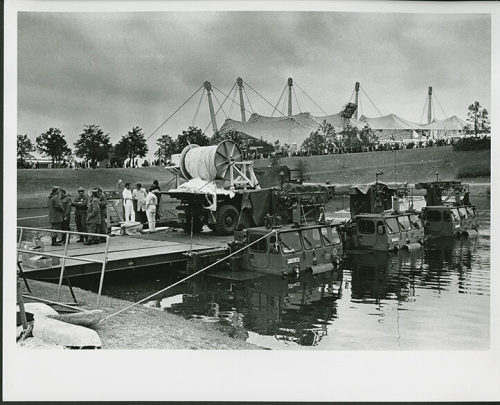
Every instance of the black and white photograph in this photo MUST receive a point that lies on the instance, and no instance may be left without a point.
(249, 201)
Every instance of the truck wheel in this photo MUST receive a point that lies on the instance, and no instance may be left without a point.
(197, 226)
(227, 218)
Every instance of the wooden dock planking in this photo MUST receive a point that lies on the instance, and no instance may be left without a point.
(125, 252)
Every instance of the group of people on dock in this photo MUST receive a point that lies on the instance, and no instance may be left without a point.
(90, 214)
(141, 205)
(91, 210)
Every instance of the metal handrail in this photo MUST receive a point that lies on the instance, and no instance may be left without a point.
(65, 254)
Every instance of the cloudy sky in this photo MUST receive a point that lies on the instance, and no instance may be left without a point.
(120, 70)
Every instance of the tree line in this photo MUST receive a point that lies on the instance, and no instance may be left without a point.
(93, 145)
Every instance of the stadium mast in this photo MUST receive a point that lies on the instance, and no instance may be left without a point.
(429, 107)
(208, 87)
(239, 80)
(356, 99)
(290, 84)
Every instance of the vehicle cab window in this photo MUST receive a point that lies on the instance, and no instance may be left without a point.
(404, 223)
(312, 238)
(366, 226)
(463, 212)
(415, 221)
(432, 215)
(260, 246)
(471, 212)
(290, 242)
(330, 236)
(454, 214)
(392, 225)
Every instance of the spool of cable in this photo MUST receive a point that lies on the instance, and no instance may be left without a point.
(209, 162)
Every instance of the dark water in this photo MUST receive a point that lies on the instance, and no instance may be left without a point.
(437, 298)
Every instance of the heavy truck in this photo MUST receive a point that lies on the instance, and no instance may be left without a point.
(220, 190)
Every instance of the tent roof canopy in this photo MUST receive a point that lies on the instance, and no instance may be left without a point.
(452, 123)
(390, 121)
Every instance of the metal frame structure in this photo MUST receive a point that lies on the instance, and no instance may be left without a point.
(65, 255)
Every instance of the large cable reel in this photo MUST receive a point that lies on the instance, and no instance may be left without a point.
(209, 162)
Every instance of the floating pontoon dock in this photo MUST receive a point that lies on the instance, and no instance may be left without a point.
(126, 252)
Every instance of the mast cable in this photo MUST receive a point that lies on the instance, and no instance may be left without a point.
(251, 88)
(276, 108)
(171, 115)
(309, 97)
(371, 101)
(197, 110)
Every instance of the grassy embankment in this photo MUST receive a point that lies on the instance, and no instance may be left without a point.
(142, 327)
(412, 165)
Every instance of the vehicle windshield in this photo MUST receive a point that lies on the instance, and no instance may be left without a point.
(404, 223)
(312, 238)
(392, 225)
(470, 210)
(290, 242)
(415, 221)
(330, 236)
(463, 212)
(455, 215)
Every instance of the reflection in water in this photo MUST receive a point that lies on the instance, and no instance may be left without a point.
(291, 310)
(431, 298)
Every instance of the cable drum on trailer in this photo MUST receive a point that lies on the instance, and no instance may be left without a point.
(209, 162)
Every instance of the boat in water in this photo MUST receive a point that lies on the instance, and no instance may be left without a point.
(377, 222)
(448, 210)
(288, 249)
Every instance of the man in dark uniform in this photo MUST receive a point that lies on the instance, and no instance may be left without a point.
(103, 205)
(81, 203)
(93, 218)
(56, 212)
(157, 193)
(66, 203)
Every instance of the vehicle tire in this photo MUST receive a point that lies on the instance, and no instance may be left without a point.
(227, 218)
(197, 226)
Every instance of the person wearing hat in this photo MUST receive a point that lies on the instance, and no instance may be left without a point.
(103, 206)
(66, 203)
(56, 212)
(81, 203)
(93, 218)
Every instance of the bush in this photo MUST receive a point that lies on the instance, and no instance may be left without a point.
(474, 171)
(472, 144)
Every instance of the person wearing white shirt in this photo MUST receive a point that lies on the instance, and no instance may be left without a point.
(151, 202)
(139, 195)
(128, 203)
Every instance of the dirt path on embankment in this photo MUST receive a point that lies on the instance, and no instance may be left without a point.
(143, 327)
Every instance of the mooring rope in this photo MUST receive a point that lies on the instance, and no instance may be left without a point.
(187, 278)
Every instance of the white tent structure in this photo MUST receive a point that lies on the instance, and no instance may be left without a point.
(391, 127)
(290, 130)
(449, 127)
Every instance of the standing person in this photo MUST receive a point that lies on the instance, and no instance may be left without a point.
(103, 206)
(151, 203)
(157, 192)
(81, 203)
(119, 186)
(139, 195)
(93, 218)
(128, 204)
(56, 212)
(66, 203)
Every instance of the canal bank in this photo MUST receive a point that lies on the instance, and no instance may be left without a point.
(143, 327)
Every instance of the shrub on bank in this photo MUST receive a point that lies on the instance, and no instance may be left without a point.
(474, 171)
(472, 143)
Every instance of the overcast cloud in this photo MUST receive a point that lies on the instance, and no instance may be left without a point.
(125, 69)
